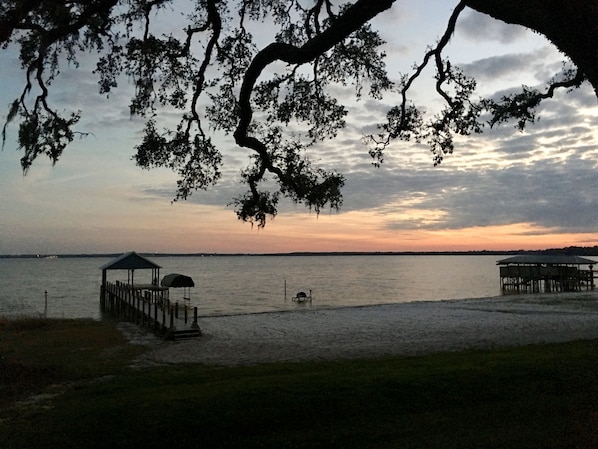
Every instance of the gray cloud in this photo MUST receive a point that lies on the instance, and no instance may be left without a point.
(477, 26)
(554, 196)
(496, 66)
(541, 64)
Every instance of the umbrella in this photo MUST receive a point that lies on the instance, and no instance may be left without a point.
(177, 280)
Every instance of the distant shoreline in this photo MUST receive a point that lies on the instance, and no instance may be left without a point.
(307, 253)
(578, 251)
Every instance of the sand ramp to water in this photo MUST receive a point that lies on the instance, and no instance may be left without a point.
(374, 331)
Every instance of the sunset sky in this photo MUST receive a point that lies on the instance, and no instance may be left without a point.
(502, 190)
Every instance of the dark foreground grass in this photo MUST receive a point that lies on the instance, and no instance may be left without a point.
(542, 396)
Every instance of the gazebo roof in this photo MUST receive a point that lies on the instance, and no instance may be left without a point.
(532, 259)
(130, 261)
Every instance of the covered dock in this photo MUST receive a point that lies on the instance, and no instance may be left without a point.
(144, 301)
(531, 273)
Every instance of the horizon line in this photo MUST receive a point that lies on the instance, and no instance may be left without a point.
(593, 250)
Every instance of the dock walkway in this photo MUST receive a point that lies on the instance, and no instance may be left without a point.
(150, 308)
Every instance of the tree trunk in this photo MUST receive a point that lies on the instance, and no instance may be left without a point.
(571, 25)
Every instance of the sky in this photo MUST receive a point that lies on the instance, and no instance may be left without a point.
(501, 190)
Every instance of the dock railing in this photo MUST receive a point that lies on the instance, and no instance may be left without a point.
(145, 308)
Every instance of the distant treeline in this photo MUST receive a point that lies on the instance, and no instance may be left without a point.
(571, 250)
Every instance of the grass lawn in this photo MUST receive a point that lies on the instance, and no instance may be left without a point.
(69, 384)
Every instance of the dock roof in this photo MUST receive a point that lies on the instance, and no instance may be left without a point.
(532, 259)
(130, 261)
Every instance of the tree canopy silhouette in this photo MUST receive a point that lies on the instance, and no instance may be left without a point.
(219, 75)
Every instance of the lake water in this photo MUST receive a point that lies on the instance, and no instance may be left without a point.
(226, 285)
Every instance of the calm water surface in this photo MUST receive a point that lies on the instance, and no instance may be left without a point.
(251, 284)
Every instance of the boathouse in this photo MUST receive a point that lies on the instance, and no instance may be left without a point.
(141, 299)
(530, 273)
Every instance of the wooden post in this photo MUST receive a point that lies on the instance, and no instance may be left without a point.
(195, 325)
(156, 315)
(126, 306)
(120, 305)
(142, 310)
(136, 300)
(131, 301)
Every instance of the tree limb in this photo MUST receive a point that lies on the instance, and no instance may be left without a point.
(571, 25)
(351, 20)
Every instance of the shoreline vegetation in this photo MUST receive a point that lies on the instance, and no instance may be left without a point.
(77, 384)
(571, 250)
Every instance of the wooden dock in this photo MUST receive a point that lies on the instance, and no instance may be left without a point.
(149, 307)
(546, 273)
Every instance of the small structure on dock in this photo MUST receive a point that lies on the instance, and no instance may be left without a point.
(145, 303)
(175, 280)
(530, 273)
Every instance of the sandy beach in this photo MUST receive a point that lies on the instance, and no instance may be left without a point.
(382, 330)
